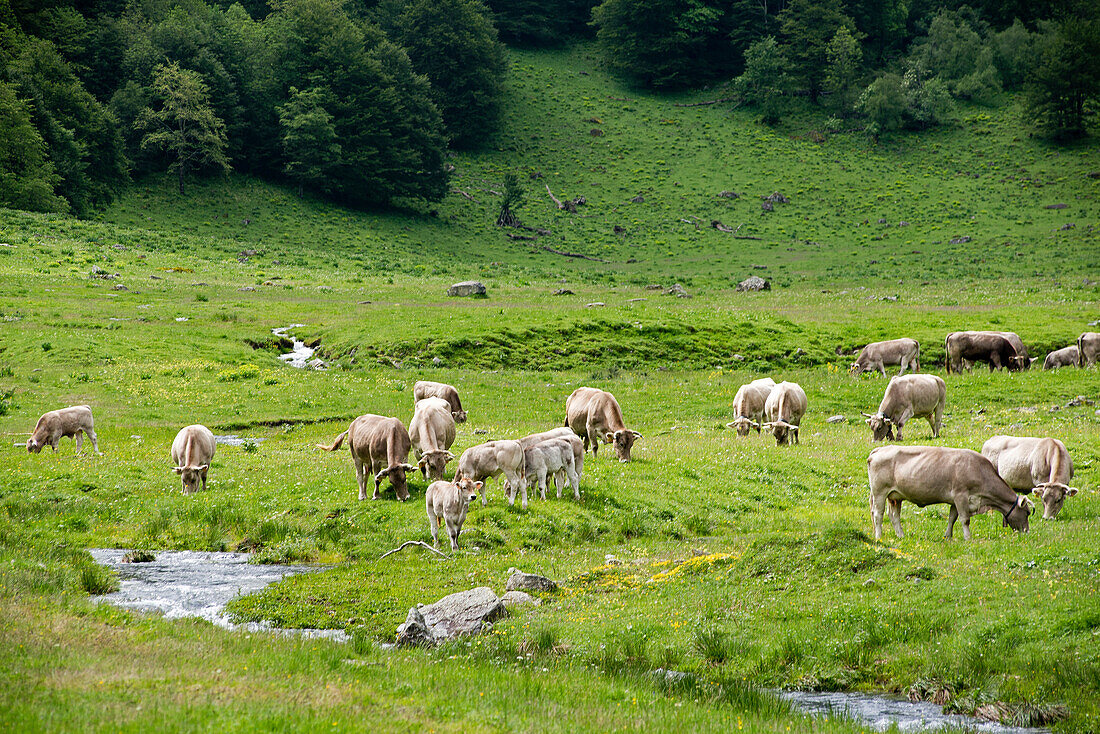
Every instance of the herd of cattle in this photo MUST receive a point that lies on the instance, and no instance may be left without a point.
(968, 481)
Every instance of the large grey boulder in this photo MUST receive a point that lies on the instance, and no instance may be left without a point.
(754, 283)
(461, 613)
(534, 582)
(467, 288)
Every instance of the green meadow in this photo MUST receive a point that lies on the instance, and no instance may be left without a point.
(747, 565)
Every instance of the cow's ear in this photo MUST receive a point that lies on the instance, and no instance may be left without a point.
(1039, 490)
(178, 469)
(204, 467)
(1071, 491)
(608, 437)
(479, 485)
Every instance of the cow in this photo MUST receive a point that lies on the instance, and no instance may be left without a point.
(909, 396)
(1039, 464)
(785, 407)
(447, 503)
(192, 451)
(594, 414)
(428, 389)
(928, 475)
(748, 405)
(432, 430)
(1022, 361)
(567, 433)
(1088, 349)
(553, 457)
(876, 355)
(980, 346)
(1064, 357)
(491, 459)
(74, 422)
(379, 447)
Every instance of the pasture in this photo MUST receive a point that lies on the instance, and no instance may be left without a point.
(745, 564)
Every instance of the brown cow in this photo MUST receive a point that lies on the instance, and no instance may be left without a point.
(74, 422)
(1088, 349)
(491, 459)
(379, 447)
(928, 475)
(980, 346)
(428, 389)
(192, 451)
(748, 405)
(432, 431)
(785, 407)
(447, 503)
(594, 414)
(1042, 464)
(1064, 357)
(1023, 361)
(909, 396)
(876, 355)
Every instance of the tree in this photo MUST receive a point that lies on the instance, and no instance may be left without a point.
(513, 198)
(1065, 80)
(1014, 52)
(764, 81)
(184, 124)
(883, 104)
(957, 54)
(309, 139)
(27, 178)
(843, 55)
(808, 26)
(454, 44)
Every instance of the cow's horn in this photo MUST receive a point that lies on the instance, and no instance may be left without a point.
(406, 467)
(381, 474)
(866, 415)
(636, 434)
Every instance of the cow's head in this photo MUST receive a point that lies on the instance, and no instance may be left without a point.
(742, 425)
(623, 439)
(1017, 516)
(881, 426)
(434, 463)
(856, 368)
(33, 445)
(783, 431)
(396, 473)
(459, 416)
(1019, 364)
(191, 476)
(1053, 494)
(468, 489)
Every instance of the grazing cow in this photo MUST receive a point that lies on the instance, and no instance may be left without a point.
(447, 502)
(74, 422)
(928, 475)
(491, 459)
(553, 457)
(379, 447)
(1042, 464)
(980, 346)
(909, 396)
(567, 433)
(785, 407)
(593, 415)
(1088, 349)
(876, 355)
(432, 431)
(1022, 361)
(1064, 357)
(748, 405)
(192, 451)
(428, 389)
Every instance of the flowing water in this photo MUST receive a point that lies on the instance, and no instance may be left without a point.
(197, 584)
(300, 354)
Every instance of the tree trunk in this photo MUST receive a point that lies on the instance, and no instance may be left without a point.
(181, 177)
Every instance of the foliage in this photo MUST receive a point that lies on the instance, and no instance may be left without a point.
(183, 124)
(764, 82)
(512, 197)
(27, 177)
(309, 139)
(843, 56)
(959, 56)
(808, 26)
(912, 101)
(539, 22)
(1014, 54)
(454, 44)
(1065, 80)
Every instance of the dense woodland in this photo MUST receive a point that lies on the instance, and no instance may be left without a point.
(360, 101)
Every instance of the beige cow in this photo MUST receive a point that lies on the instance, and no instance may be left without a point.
(432, 431)
(748, 405)
(1064, 357)
(74, 422)
(1088, 349)
(379, 447)
(876, 355)
(428, 389)
(594, 415)
(909, 396)
(552, 458)
(447, 503)
(1039, 464)
(785, 407)
(192, 451)
(567, 433)
(493, 459)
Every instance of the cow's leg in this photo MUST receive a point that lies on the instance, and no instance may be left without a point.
(904, 364)
(377, 481)
(882, 368)
(914, 366)
(433, 523)
(204, 479)
(592, 436)
(951, 518)
(452, 532)
(515, 481)
(900, 424)
(575, 480)
(484, 499)
(360, 478)
(876, 515)
(78, 437)
(894, 510)
(95, 444)
(542, 482)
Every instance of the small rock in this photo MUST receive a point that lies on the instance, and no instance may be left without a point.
(767, 206)
(738, 358)
(155, 277)
(521, 580)
(595, 132)
(139, 556)
(729, 195)
(639, 199)
(481, 431)
(678, 291)
(776, 198)
(653, 287)
(580, 201)
(960, 240)
(835, 419)
(414, 631)
(437, 361)
(635, 300)
(467, 288)
(595, 304)
(1056, 206)
(798, 352)
(462, 613)
(882, 221)
(903, 223)
(618, 229)
(513, 599)
(1066, 226)
(318, 364)
(892, 299)
(120, 287)
(611, 560)
(563, 292)
(1078, 401)
(759, 267)
(754, 283)
(246, 288)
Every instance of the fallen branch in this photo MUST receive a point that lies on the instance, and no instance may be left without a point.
(567, 206)
(729, 230)
(704, 104)
(421, 543)
(463, 193)
(573, 254)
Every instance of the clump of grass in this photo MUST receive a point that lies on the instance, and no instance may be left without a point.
(6, 399)
(244, 372)
(96, 579)
(139, 556)
(712, 643)
(295, 549)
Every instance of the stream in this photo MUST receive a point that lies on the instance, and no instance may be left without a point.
(299, 355)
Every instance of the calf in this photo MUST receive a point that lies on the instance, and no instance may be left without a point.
(551, 457)
(492, 459)
(748, 405)
(447, 502)
(74, 422)
(785, 407)
(432, 431)
(876, 355)
(928, 475)
(1042, 464)
(594, 414)
(379, 447)
(567, 433)
(1065, 357)
(192, 451)
(1088, 349)
(428, 389)
(909, 396)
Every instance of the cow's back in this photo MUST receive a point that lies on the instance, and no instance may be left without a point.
(924, 393)
(203, 445)
(432, 425)
(787, 401)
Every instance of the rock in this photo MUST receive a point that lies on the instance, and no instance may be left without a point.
(563, 292)
(1066, 226)
(467, 288)
(98, 272)
(653, 287)
(481, 431)
(139, 556)
(678, 291)
(1078, 401)
(776, 198)
(635, 300)
(246, 288)
(120, 287)
(318, 364)
(1056, 206)
(903, 223)
(595, 304)
(1093, 174)
(759, 267)
(835, 419)
(580, 201)
(960, 240)
(611, 560)
(639, 199)
(798, 352)
(882, 221)
(595, 132)
(518, 599)
(521, 580)
(729, 195)
(155, 277)
(754, 283)
(618, 229)
(892, 299)
(767, 206)
(437, 361)
(463, 613)
(738, 358)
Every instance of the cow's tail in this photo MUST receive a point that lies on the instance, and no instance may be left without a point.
(1081, 351)
(335, 444)
(947, 353)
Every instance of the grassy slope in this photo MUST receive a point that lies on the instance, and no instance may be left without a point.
(801, 599)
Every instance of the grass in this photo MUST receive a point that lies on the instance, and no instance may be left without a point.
(741, 563)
